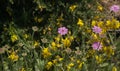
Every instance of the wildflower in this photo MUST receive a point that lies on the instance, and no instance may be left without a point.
(14, 38)
(44, 31)
(97, 29)
(26, 36)
(97, 46)
(100, 23)
(66, 42)
(71, 38)
(35, 28)
(49, 65)
(46, 53)
(98, 59)
(22, 69)
(40, 20)
(78, 61)
(80, 65)
(80, 22)
(114, 68)
(68, 50)
(70, 65)
(53, 44)
(93, 22)
(57, 39)
(62, 30)
(94, 36)
(36, 43)
(117, 25)
(72, 8)
(60, 59)
(49, 29)
(44, 40)
(108, 23)
(13, 56)
(58, 45)
(109, 51)
(54, 61)
(100, 8)
(115, 8)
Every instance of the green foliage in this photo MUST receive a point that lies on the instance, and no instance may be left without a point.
(29, 38)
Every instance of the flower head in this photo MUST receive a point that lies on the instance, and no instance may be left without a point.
(80, 22)
(14, 38)
(96, 29)
(115, 8)
(46, 53)
(97, 46)
(49, 65)
(72, 7)
(13, 56)
(62, 30)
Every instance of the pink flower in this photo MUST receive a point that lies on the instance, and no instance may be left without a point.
(115, 8)
(97, 46)
(62, 30)
(97, 29)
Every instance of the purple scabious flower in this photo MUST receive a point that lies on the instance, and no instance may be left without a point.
(97, 46)
(62, 30)
(97, 29)
(115, 8)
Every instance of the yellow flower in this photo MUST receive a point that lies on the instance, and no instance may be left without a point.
(108, 23)
(104, 48)
(72, 7)
(60, 59)
(96, 17)
(36, 43)
(71, 38)
(71, 64)
(44, 31)
(80, 65)
(49, 65)
(72, 58)
(100, 8)
(100, 24)
(26, 36)
(93, 22)
(57, 39)
(40, 20)
(53, 44)
(58, 45)
(109, 51)
(114, 69)
(117, 25)
(49, 29)
(22, 69)
(13, 56)
(80, 22)
(66, 42)
(14, 38)
(98, 59)
(95, 36)
(46, 53)
(54, 61)
(78, 61)
(68, 68)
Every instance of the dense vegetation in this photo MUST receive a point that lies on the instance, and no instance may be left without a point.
(59, 35)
